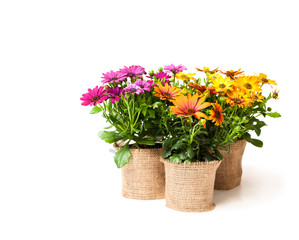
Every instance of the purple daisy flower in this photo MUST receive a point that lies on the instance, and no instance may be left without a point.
(133, 88)
(144, 85)
(133, 71)
(115, 93)
(175, 69)
(112, 76)
(94, 96)
(162, 75)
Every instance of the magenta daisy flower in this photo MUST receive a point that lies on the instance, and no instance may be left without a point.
(162, 75)
(94, 96)
(144, 85)
(112, 76)
(175, 69)
(133, 71)
(133, 88)
(115, 94)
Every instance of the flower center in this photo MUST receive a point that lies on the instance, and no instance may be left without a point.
(141, 86)
(114, 78)
(167, 95)
(132, 90)
(248, 85)
(190, 111)
(95, 99)
(217, 114)
(131, 74)
(222, 85)
(265, 80)
(174, 70)
(275, 95)
(237, 100)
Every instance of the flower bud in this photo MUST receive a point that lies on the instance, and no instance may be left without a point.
(222, 99)
(151, 73)
(160, 69)
(245, 119)
(203, 121)
(184, 91)
(106, 86)
(236, 118)
(269, 109)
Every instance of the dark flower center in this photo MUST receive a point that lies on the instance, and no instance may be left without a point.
(275, 95)
(265, 80)
(222, 85)
(190, 111)
(114, 78)
(131, 74)
(217, 114)
(167, 95)
(248, 85)
(237, 100)
(174, 70)
(141, 86)
(95, 99)
(132, 90)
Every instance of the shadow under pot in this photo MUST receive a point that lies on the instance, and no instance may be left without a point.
(229, 173)
(190, 186)
(143, 177)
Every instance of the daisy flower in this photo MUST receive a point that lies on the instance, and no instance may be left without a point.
(265, 80)
(232, 74)
(189, 106)
(186, 77)
(112, 76)
(175, 69)
(115, 94)
(94, 96)
(133, 71)
(167, 92)
(222, 84)
(247, 83)
(144, 85)
(133, 88)
(216, 114)
(207, 70)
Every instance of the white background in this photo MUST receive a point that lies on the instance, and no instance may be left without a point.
(58, 179)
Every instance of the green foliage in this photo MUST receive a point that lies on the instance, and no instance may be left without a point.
(273, 114)
(109, 137)
(95, 109)
(121, 157)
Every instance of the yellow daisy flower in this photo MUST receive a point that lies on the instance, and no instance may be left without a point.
(265, 80)
(248, 84)
(186, 77)
(221, 84)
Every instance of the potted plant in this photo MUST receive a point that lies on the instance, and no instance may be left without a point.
(135, 115)
(243, 102)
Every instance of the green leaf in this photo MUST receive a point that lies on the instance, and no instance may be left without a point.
(179, 144)
(183, 155)
(273, 114)
(175, 158)
(121, 157)
(95, 110)
(108, 127)
(256, 142)
(151, 113)
(218, 155)
(190, 153)
(166, 153)
(167, 143)
(109, 137)
(225, 148)
(156, 104)
(145, 141)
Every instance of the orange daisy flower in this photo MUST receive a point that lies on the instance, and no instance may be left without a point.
(189, 106)
(216, 114)
(238, 98)
(264, 79)
(232, 74)
(167, 92)
(207, 70)
(202, 88)
(275, 94)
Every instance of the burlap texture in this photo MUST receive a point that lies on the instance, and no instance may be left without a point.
(143, 177)
(229, 173)
(190, 186)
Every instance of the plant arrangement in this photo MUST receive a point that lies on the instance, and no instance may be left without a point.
(193, 118)
(211, 113)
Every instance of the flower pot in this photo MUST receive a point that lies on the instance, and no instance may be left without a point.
(229, 173)
(190, 186)
(143, 177)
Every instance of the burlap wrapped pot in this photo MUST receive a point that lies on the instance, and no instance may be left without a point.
(229, 173)
(190, 186)
(143, 177)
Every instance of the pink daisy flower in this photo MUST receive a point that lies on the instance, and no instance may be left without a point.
(175, 69)
(144, 85)
(112, 76)
(94, 96)
(115, 94)
(133, 88)
(162, 75)
(133, 71)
